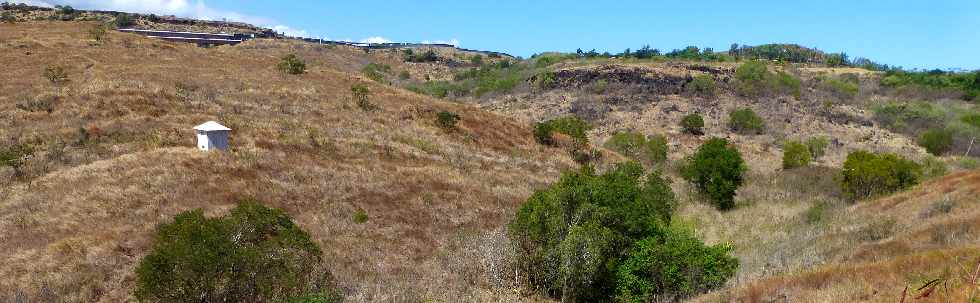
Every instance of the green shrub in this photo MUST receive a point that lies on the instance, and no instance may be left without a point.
(969, 163)
(447, 120)
(438, 89)
(360, 216)
(815, 213)
(476, 60)
(97, 32)
(376, 72)
(291, 64)
(754, 80)
(693, 124)
(544, 80)
(427, 56)
(646, 150)
(817, 146)
(839, 88)
(404, 75)
(15, 155)
(55, 74)
(867, 175)
(716, 170)
(362, 97)
(909, 117)
(937, 141)
(7, 17)
(124, 20)
(933, 167)
(752, 77)
(795, 154)
(254, 254)
(574, 237)
(675, 266)
(573, 126)
(703, 85)
(745, 121)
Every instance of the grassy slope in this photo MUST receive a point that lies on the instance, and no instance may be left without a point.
(872, 250)
(77, 229)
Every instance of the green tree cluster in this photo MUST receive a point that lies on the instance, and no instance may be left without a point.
(716, 170)
(572, 126)
(596, 238)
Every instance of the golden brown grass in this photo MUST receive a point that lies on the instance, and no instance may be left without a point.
(74, 228)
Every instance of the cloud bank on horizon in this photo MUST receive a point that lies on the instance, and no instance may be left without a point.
(196, 10)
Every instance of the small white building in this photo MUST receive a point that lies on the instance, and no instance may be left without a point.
(212, 135)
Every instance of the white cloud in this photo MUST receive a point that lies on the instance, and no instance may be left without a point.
(289, 31)
(375, 39)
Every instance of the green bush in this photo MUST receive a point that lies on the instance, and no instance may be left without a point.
(933, 167)
(840, 88)
(291, 64)
(937, 141)
(754, 80)
(795, 154)
(674, 266)
(817, 146)
(867, 175)
(404, 75)
(716, 170)
(254, 254)
(646, 150)
(124, 20)
(573, 126)
(476, 60)
(745, 121)
(360, 216)
(703, 85)
(693, 124)
(438, 89)
(447, 120)
(573, 238)
(427, 56)
(362, 97)
(544, 80)
(7, 17)
(376, 72)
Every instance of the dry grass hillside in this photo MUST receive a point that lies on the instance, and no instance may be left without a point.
(875, 249)
(113, 157)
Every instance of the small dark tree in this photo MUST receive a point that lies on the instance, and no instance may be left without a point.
(717, 170)
(362, 97)
(693, 124)
(447, 120)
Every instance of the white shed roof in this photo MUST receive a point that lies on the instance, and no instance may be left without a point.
(210, 126)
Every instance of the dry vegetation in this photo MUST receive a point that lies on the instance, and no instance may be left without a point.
(407, 211)
(114, 157)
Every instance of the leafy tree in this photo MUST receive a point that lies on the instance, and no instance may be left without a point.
(937, 141)
(291, 64)
(572, 237)
(866, 175)
(836, 60)
(745, 121)
(254, 254)
(124, 20)
(647, 150)
(693, 124)
(717, 170)
(795, 154)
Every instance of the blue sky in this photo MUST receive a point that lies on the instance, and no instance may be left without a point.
(913, 34)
